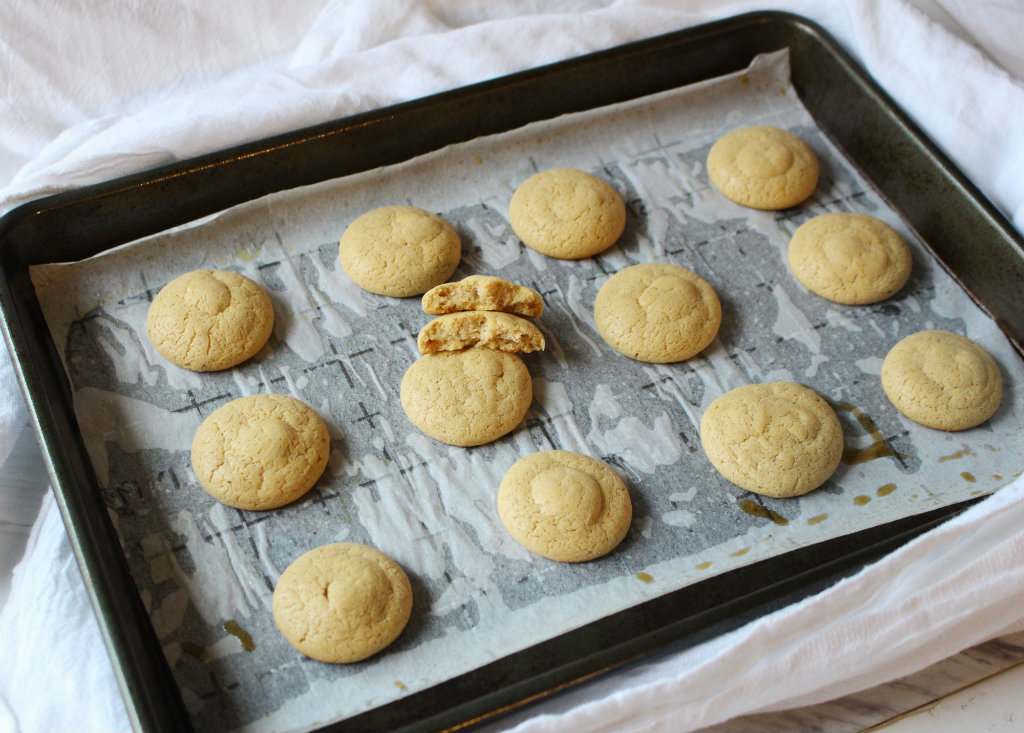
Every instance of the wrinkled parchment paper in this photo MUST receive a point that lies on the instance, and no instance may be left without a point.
(207, 572)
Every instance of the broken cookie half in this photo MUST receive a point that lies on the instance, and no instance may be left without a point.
(483, 293)
(481, 311)
(483, 329)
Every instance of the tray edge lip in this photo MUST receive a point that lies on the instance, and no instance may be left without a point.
(35, 206)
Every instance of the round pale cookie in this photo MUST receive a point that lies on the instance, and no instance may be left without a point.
(564, 506)
(343, 602)
(260, 452)
(777, 439)
(853, 259)
(483, 293)
(484, 329)
(467, 397)
(399, 251)
(207, 320)
(566, 213)
(657, 312)
(763, 167)
(942, 380)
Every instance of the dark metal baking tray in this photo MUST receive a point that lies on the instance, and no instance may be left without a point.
(972, 238)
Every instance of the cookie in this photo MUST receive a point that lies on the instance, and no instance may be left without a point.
(483, 293)
(468, 397)
(341, 603)
(399, 251)
(484, 329)
(942, 380)
(566, 213)
(657, 312)
(208, 320)
(777, 439)
(852, 259)
(564, 506)
(763, 167)
(260, 452)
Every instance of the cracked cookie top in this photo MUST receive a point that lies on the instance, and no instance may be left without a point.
(778, 439)
(399, 251)
(343, 602)
(208, 320)
(763, 167)
(260, 452)
(564, 506)
(567, 213)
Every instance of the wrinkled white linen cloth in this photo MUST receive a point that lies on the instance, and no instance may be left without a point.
(88, 93)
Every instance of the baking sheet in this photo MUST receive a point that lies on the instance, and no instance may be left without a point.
(206, 572)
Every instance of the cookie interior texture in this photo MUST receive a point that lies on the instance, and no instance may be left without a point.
(468, 397)
(567, 213)
(564, 506)
(942, 380)
(852, 259)
(483, 329)
(342, 603)
(260, 452)
(763, 167)
(483, 293)
(657, 312)
(399, 251)
(778, 439)
(209, 320)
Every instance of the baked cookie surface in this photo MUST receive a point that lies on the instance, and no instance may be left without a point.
(567, 213)
(260, 452)
(657, 312)
(484, 329)
(483, 293)
(763, 167)
(564, 506)
(942, 380)
(853, 259)
(343, 602)
(208, 320)
(399, 251)
(468, 397)
(778, 439)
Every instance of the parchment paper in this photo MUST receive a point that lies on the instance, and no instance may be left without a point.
(207, 572)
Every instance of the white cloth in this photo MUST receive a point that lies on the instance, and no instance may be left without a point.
(90, 94)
